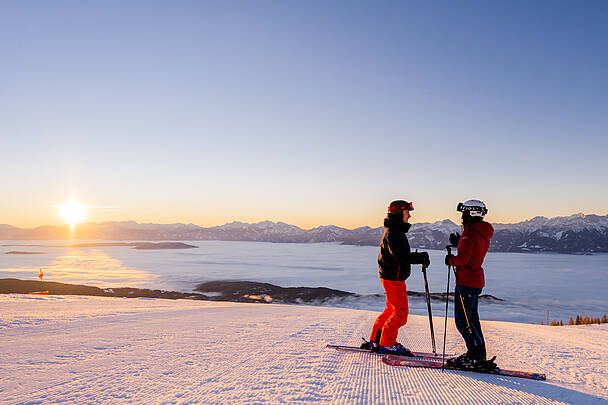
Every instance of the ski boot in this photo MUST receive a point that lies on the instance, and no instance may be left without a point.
(462, 362)
(367, 345)
(466, 362)
(485, 365)
(397, 349)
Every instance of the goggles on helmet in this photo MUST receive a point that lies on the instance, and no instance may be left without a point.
(403, 206)
(468, 208)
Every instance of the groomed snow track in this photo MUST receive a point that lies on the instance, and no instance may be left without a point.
(111, 350)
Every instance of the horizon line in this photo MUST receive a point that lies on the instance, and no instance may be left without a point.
(580, 214)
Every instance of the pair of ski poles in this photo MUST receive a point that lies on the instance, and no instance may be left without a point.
(447, 300)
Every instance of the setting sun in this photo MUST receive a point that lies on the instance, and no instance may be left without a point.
(73, 212)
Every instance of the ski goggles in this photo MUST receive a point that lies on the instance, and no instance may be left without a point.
(462, 208)
(403, 206)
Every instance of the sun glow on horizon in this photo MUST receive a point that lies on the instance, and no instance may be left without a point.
(73, 212)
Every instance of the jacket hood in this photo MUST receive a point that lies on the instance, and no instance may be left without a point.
(484, 228)
(397, 223)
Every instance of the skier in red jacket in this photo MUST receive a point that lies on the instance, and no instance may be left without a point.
(472, 248)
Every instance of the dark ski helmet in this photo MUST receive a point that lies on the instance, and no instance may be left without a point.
(472, 208)
(398, 206)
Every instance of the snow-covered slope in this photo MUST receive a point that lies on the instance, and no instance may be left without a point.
(68, 349)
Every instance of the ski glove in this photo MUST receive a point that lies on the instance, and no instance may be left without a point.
(423, 258)
(454, 238)
(447, 258)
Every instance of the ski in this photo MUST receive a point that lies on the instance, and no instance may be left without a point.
(427, 363)
(417, 355)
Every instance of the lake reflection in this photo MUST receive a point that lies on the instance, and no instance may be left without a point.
(90, 266)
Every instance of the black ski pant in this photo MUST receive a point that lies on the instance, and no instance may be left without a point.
(467, 320)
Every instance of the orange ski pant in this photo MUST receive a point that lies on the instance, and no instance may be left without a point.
(394, 315)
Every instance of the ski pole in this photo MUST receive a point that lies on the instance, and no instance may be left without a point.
(465, 313)
(428, 306)
(445, 323)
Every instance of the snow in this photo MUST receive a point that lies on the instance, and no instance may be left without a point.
(70, 349)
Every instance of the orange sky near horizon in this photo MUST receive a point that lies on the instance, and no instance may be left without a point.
(372, 218)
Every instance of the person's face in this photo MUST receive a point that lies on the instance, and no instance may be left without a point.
(406, 216)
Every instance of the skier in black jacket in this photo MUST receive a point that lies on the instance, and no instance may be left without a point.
(394, 261)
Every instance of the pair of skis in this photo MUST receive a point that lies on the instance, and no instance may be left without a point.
(430, 360)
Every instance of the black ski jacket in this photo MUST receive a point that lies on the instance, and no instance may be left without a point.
(395, 257)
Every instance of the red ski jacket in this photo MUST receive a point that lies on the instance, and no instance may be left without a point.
(472, 249)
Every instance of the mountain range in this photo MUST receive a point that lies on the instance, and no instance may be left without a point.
(578, 233)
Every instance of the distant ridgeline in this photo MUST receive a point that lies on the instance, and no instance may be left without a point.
(577, 233)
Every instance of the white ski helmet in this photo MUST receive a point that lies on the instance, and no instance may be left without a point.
(475, 208)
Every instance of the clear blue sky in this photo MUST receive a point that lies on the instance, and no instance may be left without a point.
(304, 112)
